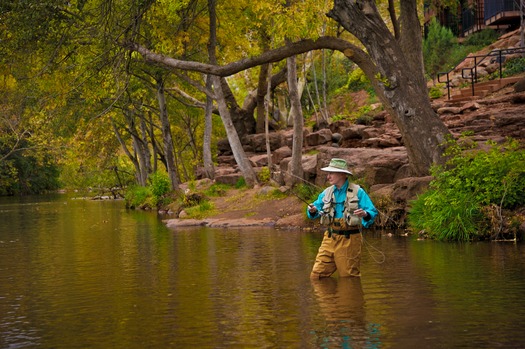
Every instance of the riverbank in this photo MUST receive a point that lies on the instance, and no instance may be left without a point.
(250, 207)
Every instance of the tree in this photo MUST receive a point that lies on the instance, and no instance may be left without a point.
(393, 62)
(437, 47)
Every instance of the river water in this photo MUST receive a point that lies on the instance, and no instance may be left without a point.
(91, 274)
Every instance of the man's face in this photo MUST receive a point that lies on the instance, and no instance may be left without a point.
(336, 178)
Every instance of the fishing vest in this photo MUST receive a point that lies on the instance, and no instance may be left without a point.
(350, 205)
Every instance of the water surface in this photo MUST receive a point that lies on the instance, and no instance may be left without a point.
(91, 274)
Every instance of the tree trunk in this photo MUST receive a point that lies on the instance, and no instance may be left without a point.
(266, 108)
(166, 136)
(262, 89)
(209, 169)
(400, 82)
(233, 138)
(141, 180)
(296, 168)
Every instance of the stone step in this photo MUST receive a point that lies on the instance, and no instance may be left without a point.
(482, 89)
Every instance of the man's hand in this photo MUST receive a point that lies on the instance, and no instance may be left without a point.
(312, 209)
(360, 213)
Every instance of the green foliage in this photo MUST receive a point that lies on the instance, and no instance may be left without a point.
(453, 207)
(307, 192)
(217, 189)
(484, 37)
(76, 173)
(201, 210)
(264, 175)
(441, 51)
(436, 91)
(159, 184)
(447, 218)
(437, 47)
(137, 196)
(241, 183)
(357, 81)
(514, 66)
(27, 172)
(153, 195)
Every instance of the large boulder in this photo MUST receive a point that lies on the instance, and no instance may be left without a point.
(322, 136)
(407, 189)
(374, 165)
(257, 142)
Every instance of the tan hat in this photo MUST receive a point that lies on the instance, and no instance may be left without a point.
(337, 165)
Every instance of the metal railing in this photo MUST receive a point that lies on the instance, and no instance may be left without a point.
(471, 73)
(493, 8)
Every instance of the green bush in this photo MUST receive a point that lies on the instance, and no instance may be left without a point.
(514, 66)
(484, 37)
(137, 196)
(264, 175)
(357, 81)
(453, 207)
(436, 91)
(241, 183)
(437, 47)
(160, 185)
(153, 195)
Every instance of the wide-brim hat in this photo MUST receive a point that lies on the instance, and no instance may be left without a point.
(337, 165)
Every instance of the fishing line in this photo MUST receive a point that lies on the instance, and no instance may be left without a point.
(305, 181)
(366, 243)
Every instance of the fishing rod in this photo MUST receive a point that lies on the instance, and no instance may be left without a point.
(300, 198)
(305, 181)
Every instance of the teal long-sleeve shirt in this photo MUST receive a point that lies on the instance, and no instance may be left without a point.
(363, 203)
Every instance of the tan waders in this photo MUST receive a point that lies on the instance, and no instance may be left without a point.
(339, 251)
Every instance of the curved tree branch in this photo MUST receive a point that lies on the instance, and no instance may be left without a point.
(353, 52)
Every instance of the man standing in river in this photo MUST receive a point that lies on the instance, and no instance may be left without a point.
(345, 208)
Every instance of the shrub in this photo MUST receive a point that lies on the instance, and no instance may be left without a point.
(203, 209)
(136, 196)
(453, 207)
(241, 183)
(437, 47)
(484, 37)
(514, 66)
(357, 81)
(436, 91)
(159, 184)
(264, 175)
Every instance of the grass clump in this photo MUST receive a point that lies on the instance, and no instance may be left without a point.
(217, 189)
(514, 66)
(201, 210)
(456, 205)
(155, 194)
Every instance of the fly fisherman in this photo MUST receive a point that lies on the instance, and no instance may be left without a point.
(345, 208)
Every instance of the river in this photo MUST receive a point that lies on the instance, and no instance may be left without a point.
(91, 274)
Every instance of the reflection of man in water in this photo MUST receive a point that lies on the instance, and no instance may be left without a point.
(342, 304)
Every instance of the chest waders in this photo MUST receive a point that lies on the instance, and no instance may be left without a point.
(349, 223)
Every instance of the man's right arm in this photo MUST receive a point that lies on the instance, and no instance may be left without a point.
(313, 210)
